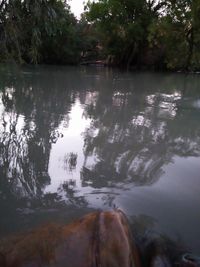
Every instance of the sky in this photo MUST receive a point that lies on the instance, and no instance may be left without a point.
(76, 7)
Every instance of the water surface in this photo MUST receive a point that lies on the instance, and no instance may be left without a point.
(74, 140)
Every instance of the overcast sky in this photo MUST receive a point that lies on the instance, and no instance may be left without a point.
(76, 7)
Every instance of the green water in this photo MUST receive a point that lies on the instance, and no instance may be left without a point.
(73, 140)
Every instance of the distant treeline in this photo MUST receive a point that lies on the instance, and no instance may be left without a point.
(147, 34)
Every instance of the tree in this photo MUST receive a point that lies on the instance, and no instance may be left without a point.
(10, 29)
(123, 26)
(177, 32)
(38, 31)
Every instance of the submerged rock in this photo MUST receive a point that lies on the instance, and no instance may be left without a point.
(98, 239)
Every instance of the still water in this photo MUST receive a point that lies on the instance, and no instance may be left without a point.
(73, 140)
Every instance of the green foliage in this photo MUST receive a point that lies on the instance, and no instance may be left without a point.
(37, 31)
(124, 27)
(158, 34)
(162, 34)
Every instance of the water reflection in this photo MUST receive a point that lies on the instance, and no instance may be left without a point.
(27, 132)
(132, 141)
(85, 137)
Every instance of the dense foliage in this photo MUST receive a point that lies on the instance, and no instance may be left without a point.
(37, 31)
(158, 34)
(154, 34)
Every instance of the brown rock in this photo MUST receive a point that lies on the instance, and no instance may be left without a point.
(100, 239)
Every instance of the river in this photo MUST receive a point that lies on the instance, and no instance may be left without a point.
(77, 139)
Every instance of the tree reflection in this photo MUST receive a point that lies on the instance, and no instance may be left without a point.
(70, 161)
(68, 188)
(134, 135)
(133, 132)
(33, 108)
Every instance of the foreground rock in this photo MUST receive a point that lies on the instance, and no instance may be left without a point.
(98, 239)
